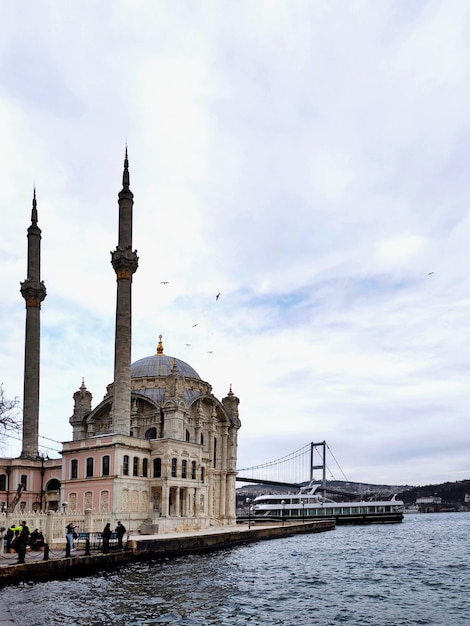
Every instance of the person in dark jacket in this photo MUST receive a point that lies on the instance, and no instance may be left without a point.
(120, 531)
(22, 542)
(106, 537)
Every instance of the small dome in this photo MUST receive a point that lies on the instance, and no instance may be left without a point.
(161, 365)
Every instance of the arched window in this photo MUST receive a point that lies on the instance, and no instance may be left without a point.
(202, 439)
(105, 465)
(157, 467)
(151, 433)
(187, 435)
(173, 468)
(145, 467)
(74, 468)
(135, 466)
(184, 467)
(125, 465)
(193, 470)
(89, 467)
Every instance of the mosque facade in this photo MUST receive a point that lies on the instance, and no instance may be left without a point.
(159, 448)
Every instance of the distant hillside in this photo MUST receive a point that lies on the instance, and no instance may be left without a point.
(451, 493)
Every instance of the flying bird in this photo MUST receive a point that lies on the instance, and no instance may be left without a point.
(194, 325)
(210, 351)
(187, 344)
(429, 273)
(217, 296)
(164, 282)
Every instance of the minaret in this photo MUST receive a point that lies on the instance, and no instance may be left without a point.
(124, 262)
(33, 291)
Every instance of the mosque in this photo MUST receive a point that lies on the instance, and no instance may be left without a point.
(159, 448)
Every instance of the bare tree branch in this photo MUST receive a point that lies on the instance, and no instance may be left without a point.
(10, 418)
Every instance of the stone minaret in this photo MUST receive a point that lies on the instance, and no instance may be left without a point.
(124, 262)
(33, 291)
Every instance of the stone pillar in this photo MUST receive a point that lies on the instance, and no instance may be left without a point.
(165, 501)
(33, 291)
(197, 507)
(177, 502)
(88, 521)
(49, 533)
(125, 263)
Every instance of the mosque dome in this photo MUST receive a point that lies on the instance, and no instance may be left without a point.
(161, 365)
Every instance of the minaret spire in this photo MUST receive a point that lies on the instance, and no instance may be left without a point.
(33, 291)
(125, 263)
(125, 174)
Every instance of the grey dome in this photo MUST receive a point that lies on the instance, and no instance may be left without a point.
(161, 365)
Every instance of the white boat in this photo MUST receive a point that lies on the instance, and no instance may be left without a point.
(309, 504)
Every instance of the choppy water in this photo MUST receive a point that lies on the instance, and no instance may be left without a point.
(417, 572)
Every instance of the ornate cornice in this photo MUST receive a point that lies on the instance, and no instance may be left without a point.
(125, 262)
(33, 292)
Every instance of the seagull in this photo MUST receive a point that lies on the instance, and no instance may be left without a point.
(429, 273)
(164, 282)
(210, 351)
(217, 296)
(187, 344)
(194, 325)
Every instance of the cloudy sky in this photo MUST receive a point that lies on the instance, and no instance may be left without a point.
(310, 161)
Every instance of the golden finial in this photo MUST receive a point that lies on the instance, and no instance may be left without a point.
(160, 345)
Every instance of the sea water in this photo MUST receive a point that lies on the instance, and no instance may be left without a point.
(417, 572)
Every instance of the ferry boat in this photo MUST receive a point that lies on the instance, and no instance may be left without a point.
(309, 504)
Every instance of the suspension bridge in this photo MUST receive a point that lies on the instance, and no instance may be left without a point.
(302, 466)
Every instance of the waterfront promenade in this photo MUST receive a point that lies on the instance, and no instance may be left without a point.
(141, 547)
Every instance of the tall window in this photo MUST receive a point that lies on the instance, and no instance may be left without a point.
(173, 468)
(3, 482)
(24, 481)
(215, 451)
(74, 468)
(105, 465)
(202, 439)
(203, 474)
(89, 467)
(135, 466)
(187, 435)
(145, 467)
(184, 467)
(193, 470)
(157, 467)
(151, 433)
(125, 465)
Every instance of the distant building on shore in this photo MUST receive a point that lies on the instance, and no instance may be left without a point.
(160, 447)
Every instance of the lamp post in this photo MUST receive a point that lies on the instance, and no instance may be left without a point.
(43, 457)
(248, 502)
(283, 502)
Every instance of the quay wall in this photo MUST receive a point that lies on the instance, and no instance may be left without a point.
(153, 547)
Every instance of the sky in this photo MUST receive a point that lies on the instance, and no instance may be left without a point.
(309, 161)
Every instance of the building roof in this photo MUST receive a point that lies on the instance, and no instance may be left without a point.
(161, 365)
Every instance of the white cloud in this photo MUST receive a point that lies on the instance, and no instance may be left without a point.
(307, 160)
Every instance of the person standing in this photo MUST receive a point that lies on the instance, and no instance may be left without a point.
(10, 537)
(120, 531)
(106, 537)
(22, 542)
(70, 534)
